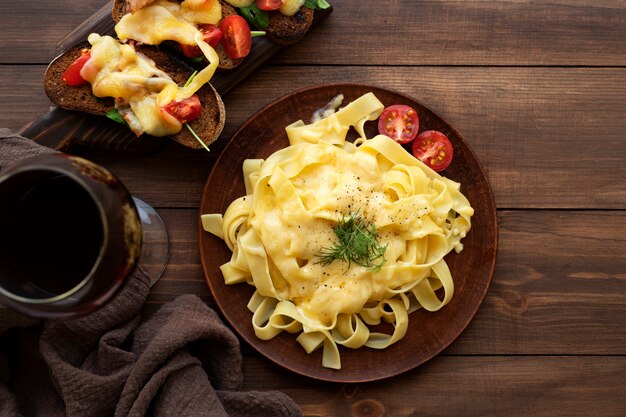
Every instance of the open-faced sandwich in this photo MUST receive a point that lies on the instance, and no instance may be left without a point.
(173, 24)
(142, 86)
(134, 81)
(161, 21)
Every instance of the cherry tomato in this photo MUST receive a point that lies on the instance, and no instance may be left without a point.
(399, 122)
(185, 110)
(269, 4)
(211, 34)
(71, 76)
(237, 39)
(434, 149)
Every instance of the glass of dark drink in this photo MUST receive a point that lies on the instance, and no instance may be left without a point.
(70, 236)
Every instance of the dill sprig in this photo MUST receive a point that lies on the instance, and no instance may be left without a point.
(358, 243)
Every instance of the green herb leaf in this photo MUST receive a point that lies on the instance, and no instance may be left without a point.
(191, 77)
(115, 115)
(195, 135)
(358, 243)
(316, 4)
(256, 33)
(255, 16)
(198, 58)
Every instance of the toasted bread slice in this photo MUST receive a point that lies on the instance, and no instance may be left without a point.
(285, 30)
(121, 8)
(208, 125)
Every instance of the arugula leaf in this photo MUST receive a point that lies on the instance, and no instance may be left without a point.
(255, 16)
(316, 4)
(115, 115)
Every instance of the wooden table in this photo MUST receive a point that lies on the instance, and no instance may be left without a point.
(538, 89)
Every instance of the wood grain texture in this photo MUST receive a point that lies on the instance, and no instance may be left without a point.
(29, 31)
(537, 88)
(545, 298)
(547, 137)
(22, 96)
(436, 32)
(518, 32)
(464, 386)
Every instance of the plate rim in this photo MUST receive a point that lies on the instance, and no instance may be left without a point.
(252, 340)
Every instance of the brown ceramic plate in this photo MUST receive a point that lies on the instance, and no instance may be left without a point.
(428, 333)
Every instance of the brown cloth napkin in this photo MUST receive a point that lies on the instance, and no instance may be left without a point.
(182, 361)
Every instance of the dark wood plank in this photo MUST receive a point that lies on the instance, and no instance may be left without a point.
(565, 32)
(464, 386)
(559, 285)
(30, 30)
(22, 96)
(547, 137)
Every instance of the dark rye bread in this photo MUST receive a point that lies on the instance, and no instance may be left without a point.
(285, 30)
(121, 8)
(208, 125)
(72, 98)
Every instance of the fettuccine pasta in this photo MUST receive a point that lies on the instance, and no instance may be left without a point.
(294, 200)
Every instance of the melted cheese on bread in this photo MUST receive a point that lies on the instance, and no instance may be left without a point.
(119, 71)
(165, 20)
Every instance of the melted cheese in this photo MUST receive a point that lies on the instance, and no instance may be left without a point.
(240, 3)
(291, 7)
(117, 70)
(138, 4)
(164, 20)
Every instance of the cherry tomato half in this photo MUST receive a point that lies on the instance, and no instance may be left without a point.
(434, 149)
(185, 110)
(211, 34)
(399, 122)
(269, 4)
(71, 76)
(237, 39)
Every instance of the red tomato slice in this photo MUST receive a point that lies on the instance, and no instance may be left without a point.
(434, 149)
(399, 122)
(237, 39)
(211, 34)
(71, 76)
(185, 110)
(269, 4)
